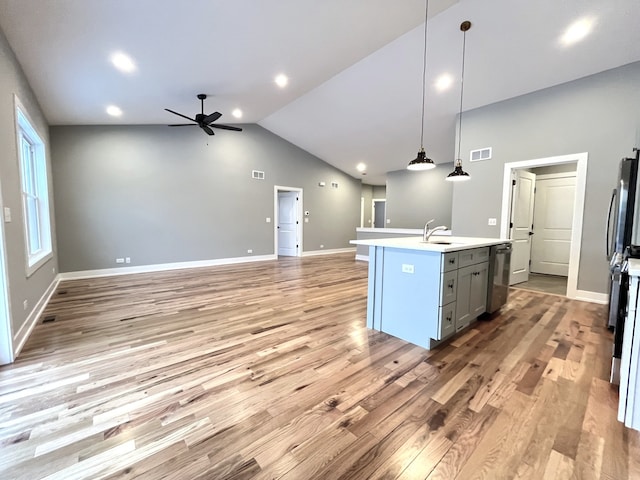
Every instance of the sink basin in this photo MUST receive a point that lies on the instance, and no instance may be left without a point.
(441, 242)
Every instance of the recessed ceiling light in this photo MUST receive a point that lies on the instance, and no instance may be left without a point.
(361, 167)
(237, 113)
(577, 31)
(114, 111)
(123, 62)
(443, 82)
(281, 80)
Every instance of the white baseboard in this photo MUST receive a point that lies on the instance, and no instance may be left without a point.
(161, 267)
(593, 297)
(21, 336)
(313, 253)
(364, 258)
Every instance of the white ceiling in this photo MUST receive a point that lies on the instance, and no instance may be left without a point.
(355, 66)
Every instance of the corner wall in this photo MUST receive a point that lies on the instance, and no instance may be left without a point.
(21, 288)
(599, 115)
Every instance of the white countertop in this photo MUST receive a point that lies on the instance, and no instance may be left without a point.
(634, 267)
(398, 231)
(415, 243)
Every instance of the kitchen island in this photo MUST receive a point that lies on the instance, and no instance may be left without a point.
(424, 292)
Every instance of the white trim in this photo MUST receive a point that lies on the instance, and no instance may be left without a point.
(23, 334)
(276, 189)
(162, 267)
(578, 207)
(593, 297)
(363, 258)
(361, 212)
(550, 176)
(314, 253)
(7, 352)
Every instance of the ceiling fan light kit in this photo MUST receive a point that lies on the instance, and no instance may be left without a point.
(458, 174)
(422, 162)
(205, 122)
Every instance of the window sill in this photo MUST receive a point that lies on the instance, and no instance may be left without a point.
(37, 261)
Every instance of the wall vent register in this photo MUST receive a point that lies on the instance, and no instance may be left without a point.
(257, 174)
(480, 154)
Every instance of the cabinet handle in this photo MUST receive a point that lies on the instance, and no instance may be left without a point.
(452, 261)
(448, 318)
(451, 285)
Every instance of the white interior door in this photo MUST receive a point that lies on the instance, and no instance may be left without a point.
(552, 222)
(288, 224)
(521, 224)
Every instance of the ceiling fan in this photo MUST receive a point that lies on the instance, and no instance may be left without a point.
(205, 122)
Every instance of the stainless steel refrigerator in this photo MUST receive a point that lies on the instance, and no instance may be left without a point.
(621, 234)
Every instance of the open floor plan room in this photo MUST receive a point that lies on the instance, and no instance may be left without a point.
(267, 370)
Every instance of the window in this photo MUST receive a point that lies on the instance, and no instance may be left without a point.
(35, 192)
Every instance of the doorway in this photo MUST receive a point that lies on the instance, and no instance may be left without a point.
(378, 212)
(6, 336)
(288, 221)
(575, 240)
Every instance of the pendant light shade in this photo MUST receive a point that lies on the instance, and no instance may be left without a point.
(458, 174)
(422, 162)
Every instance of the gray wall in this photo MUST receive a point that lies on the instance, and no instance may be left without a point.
(379, 191)
(21, 288)
(599, 114)
(561, 168)
(416, 197)
(160, 195)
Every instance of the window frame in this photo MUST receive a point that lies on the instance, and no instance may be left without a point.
(34, 190)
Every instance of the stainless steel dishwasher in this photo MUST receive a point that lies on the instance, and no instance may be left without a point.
(499, 266)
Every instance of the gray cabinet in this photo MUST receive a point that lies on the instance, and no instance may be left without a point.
(473, 276)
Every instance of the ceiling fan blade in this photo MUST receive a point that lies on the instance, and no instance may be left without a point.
(182, 125)
(179, 114)
(226, 127)
(208, 130)
(212, 118)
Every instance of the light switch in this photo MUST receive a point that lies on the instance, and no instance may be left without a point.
(7, 214)
(306, 219)
(268, 219)
(388, 220)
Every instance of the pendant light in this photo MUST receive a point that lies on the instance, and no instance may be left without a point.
(421, 162)
(459, 175)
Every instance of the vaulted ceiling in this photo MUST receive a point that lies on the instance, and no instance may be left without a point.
(354, 66)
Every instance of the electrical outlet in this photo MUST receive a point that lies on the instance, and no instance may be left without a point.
(388, 220)
(7, 214)
(127, 260)
(492, 222)
(407, 268)
(25, 304)
(268, 220)
(306, 219)
(321, 246)
(119, 260)
(250, 251)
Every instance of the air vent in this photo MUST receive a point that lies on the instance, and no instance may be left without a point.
(480, 154)
(49, 319)
(257, 174)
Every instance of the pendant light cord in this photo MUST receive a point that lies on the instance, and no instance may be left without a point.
(464, 44)
(424, 70)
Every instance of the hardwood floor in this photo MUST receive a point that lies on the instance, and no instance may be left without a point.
(267, 370)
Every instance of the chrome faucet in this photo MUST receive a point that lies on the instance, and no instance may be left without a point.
(427, 232)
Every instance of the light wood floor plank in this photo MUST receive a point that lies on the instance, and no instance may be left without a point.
(266, 370)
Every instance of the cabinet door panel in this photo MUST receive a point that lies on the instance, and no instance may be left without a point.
(478, 292)
(449, 261)
(463, 314)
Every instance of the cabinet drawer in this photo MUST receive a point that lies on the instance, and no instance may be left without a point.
(473, 256)
(448, 287)
(449, 261)
(446, 321)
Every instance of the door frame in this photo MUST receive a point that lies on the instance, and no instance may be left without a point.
(7, 352)
(299, 229)
(373, 212)
(578, 207)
